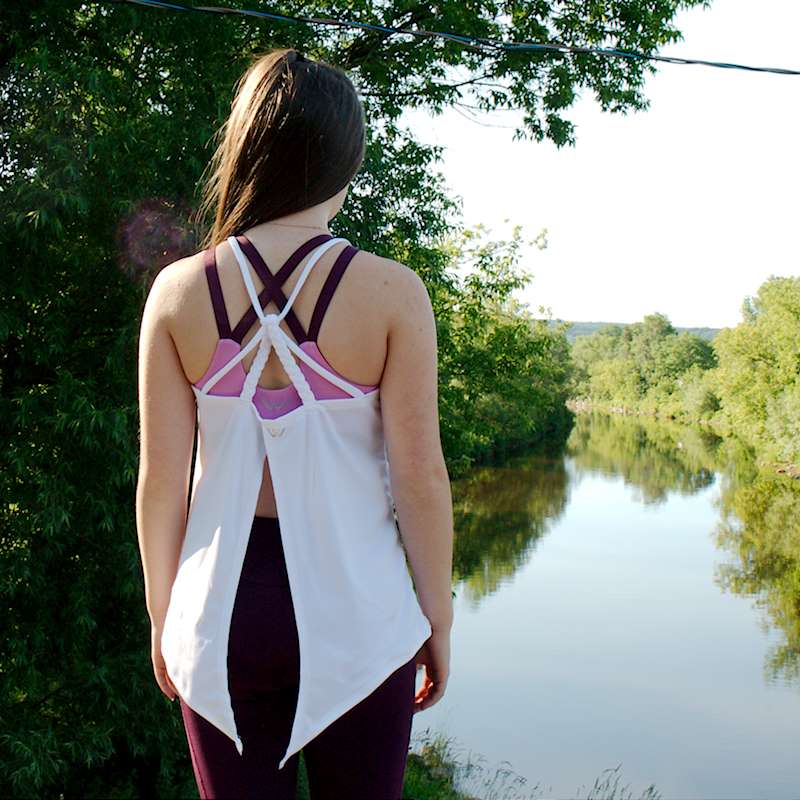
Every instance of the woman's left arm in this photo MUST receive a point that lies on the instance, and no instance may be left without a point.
(167, 413)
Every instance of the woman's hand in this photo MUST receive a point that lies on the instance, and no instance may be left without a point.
(159, 668)
(434, 655)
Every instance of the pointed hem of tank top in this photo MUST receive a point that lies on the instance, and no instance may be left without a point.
(350, 703)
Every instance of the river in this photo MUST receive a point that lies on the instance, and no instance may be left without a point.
(627, 612)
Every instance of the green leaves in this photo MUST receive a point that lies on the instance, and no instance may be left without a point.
(746, 382)
(109, 118)
(503, 374)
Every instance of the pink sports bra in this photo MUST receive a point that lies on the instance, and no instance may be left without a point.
(273, 403)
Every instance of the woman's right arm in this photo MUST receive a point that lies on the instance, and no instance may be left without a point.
(419, 479)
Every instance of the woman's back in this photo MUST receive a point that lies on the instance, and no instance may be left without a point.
(350, 335)
(357, 616)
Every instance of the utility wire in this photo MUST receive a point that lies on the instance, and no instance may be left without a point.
(470, 41)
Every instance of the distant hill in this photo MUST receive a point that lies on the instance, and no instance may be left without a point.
(577, 329)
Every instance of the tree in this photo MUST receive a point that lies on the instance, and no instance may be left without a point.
(109, 112)
(744, 383)
(758, 375)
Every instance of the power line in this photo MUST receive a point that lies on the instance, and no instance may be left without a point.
(474, 42)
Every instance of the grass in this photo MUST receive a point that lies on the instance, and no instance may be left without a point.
(436, 771)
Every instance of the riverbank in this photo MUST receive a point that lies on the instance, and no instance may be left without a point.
(583, 406)
(434, 770)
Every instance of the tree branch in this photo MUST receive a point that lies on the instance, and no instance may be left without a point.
(363, 46)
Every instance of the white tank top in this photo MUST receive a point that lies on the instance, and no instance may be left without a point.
(358, 617)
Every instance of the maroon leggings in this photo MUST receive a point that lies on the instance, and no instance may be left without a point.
(359, 756)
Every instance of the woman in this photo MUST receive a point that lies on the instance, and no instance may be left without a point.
(282, 609)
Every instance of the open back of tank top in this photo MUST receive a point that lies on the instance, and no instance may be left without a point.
(357, 615)
(271, 403)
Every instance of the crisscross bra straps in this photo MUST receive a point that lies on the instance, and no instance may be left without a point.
(270, 334)
(272, 288)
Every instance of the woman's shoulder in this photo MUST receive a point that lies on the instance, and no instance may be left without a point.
(178, 281)
(192, 267)
(385, 282)
(392, 279)
(386, 289)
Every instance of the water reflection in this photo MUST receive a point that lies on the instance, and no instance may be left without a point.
(760, 529)
(501, 513)
(654, 456)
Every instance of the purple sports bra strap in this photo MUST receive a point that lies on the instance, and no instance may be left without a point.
(272, 284)
(328, 288)
(215, 289)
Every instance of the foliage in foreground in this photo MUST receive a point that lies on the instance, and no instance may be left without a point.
(437, 770)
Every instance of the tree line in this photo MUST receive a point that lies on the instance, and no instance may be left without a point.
(745, 382)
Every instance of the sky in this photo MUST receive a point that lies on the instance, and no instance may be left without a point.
(683, 209)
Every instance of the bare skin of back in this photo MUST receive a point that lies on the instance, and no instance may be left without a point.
(353, 334)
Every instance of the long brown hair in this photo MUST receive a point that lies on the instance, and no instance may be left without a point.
(294, 138)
